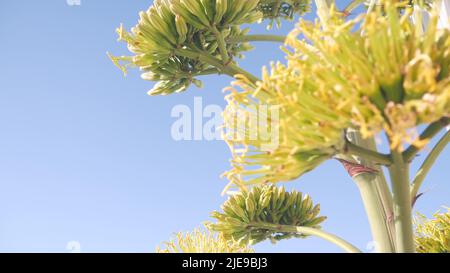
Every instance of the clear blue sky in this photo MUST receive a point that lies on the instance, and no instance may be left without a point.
(87, 156)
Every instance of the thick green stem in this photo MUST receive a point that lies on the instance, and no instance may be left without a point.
(313, 232)
(379, 219)
(258, 38)
(399, 172)
(368, 154)
(376, 197)
(237, 70)
(428, 163)
(432, 130)
(229, 69)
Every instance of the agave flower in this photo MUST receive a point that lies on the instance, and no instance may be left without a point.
(433, 236)
(172, 34)
(176, 41)
(202, 241)
(261, 213)
(403, 73)
(385, 75)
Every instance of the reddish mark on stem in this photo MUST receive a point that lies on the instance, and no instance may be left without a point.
(354, 169)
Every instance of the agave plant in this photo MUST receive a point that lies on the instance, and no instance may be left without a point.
(346, 80)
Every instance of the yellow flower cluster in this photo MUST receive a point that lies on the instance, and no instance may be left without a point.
(373, 73)
(433, 236)
(199, 241)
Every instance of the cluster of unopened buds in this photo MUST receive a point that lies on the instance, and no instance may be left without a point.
(176, 41)
(266, 212)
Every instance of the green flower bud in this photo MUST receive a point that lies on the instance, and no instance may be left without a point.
(287, 209)
(170, 25)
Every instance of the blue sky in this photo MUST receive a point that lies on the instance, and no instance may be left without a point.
(87, 156)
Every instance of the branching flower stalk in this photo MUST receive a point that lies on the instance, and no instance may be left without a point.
(427, 164)
(385, 77)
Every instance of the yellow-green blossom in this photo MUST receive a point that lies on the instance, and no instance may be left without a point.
(433, 236)
(373, 73)
(403, 73)
(309, 132)
(202, 241)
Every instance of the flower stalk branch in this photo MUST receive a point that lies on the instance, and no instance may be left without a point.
(432, 130)
(348, 247)
(371, 155)
(258, 38)
(229, 69)
(428, 163)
